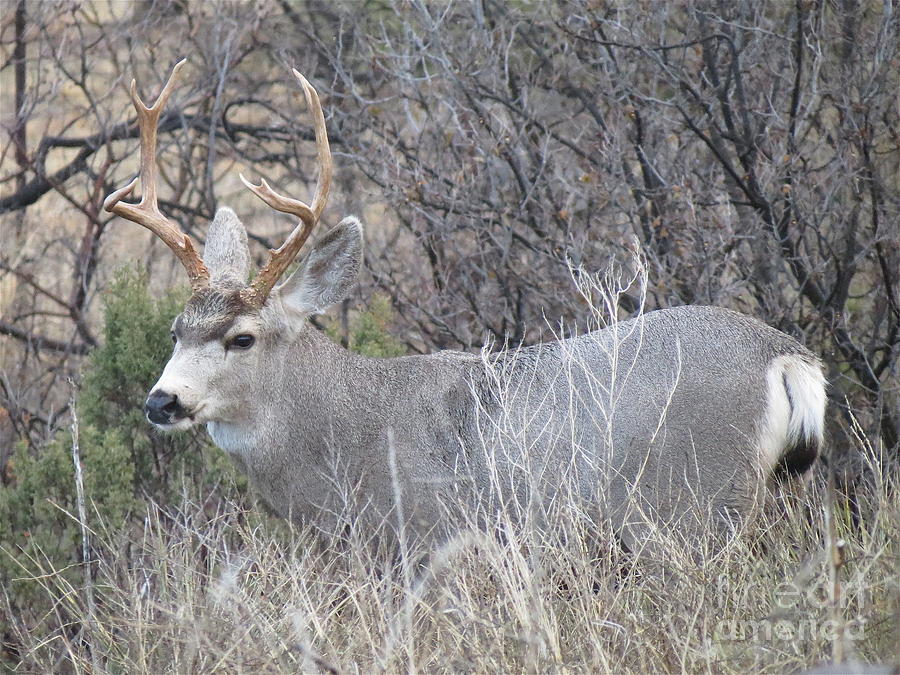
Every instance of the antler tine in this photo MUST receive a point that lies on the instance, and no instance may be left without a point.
(147, 212)
(279, 202)
(323, 185)
(280, 258)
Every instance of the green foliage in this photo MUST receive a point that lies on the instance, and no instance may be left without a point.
(369, 333)
(120, 373)
(136, 346)
(36, 528)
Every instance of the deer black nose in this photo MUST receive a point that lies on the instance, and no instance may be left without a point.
(163, 408)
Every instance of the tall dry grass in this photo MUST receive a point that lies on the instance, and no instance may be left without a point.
(225, 589)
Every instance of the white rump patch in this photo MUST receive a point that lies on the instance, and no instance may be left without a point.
(796, 407)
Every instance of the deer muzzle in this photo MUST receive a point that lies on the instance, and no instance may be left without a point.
(163, 408)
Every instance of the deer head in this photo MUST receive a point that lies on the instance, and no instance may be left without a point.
(233, 337)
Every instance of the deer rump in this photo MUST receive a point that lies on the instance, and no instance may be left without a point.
(679, 418)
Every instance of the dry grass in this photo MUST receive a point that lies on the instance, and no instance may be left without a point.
(225, 589)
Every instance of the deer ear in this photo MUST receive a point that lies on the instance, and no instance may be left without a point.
(328, 272)
(226, 253)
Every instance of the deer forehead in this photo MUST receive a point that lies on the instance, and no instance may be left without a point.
(213, 313)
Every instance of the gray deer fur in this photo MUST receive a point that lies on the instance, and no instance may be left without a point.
(678, 414)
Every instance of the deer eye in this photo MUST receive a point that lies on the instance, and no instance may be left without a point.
(174, 338)
(242, 341)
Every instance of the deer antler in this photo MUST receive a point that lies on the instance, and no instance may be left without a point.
(280, 258)
(147, 212)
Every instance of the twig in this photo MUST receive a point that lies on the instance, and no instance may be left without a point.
(41, 341)
(836, 550)
(85, 540)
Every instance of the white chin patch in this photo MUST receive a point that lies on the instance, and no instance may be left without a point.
(180, 425)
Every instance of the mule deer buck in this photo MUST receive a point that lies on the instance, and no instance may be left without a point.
(676, 413)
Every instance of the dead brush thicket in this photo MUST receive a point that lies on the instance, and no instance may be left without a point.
(201, 588)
